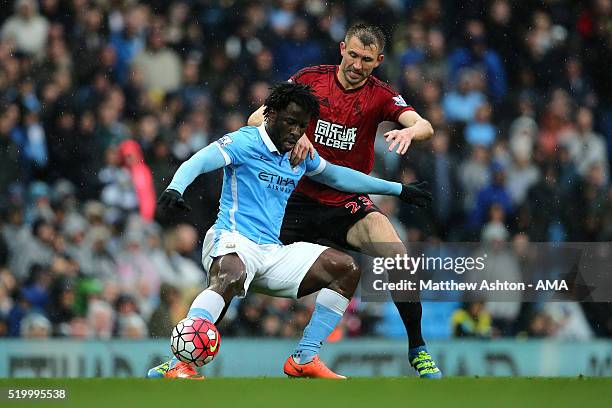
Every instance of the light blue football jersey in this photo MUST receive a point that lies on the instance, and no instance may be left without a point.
(257, 183)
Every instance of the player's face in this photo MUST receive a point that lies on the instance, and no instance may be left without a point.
(287, 126)
(358, 61)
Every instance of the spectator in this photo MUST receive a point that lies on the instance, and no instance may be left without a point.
(136, 272)
(192, 93)
(569, 321)
(26, 28)
(110, 131)
(474, 176)
(128, 320)
(501, 32)
(461, 104)
(555, 123)
(606, 223)
(576, 83)
(297, 51)
(9, 152)
(415, 51)
(128, 42)
(6, 301)
(522, 173)
(545, 205)
(100, 317)
(132, 159)
(161, 67)
(439, 168)
(161, 164)
(132, 327)
(62, 304)
(3, 327)
(494, 194)
(35, 326)
(481, 131)
(472, 320)
(176, 268)
(89, 40)
(39, 248)
(428, 51)
(32, 143)
(477, 54)
(118, 190)
(36, 288)
(540, 326)
(501, 264)
(586, 147)
(167, 314)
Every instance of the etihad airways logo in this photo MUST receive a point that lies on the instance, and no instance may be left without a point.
(276, 182)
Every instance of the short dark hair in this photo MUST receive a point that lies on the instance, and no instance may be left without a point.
(368, 34)
(284, 93)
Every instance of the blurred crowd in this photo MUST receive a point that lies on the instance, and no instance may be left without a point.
(101, 100)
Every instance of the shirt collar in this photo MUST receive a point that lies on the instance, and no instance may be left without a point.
(266, 138)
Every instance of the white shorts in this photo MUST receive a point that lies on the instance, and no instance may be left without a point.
(272, 269)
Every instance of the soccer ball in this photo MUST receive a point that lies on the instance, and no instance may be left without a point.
(195, 340)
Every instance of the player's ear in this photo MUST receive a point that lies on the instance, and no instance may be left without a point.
(380, 58)
(342, 47)
(271, 116)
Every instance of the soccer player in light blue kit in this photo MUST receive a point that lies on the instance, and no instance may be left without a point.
(242, 250)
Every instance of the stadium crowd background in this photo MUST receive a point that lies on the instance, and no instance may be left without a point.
(100, 101)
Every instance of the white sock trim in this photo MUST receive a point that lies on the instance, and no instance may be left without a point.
(332, 300)
(210, 301)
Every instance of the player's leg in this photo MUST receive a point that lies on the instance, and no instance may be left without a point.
(300, 269)
(335, 276)
(224, 255)
(227, 277)
(375, 236)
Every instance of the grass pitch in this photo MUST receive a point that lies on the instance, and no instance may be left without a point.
(354, 393)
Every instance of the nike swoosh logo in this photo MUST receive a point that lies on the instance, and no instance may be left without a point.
(299, 370)
(213, 348)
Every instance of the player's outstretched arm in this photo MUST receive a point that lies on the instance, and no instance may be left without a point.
(257, 117)
(352, 181)
(208, 159)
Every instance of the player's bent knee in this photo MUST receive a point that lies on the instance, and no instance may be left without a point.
(338, 263)
(232, 282)
(346, 274)
(230, 276)
(350, 267)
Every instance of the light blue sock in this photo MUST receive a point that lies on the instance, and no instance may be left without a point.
(201, 313)
(328, 312)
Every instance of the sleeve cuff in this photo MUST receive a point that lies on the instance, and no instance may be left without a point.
(398, 112)
(226, 157)
(319, 168)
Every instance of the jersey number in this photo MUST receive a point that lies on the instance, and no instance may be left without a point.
(354, 206)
